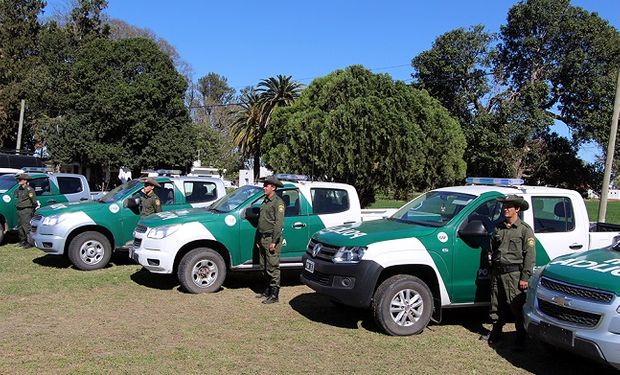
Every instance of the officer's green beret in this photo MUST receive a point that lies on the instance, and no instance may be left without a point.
(518, 201)
(273, 181)
(151, 181)
(23, 176)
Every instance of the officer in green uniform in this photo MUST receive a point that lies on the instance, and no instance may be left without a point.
(512, 261)
(269, 238)
(26, 204)
(149, 201)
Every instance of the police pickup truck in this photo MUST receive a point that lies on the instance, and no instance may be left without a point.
(49, 188)
(200, 246)
(573, 303)
(432, 253)
(88, 232)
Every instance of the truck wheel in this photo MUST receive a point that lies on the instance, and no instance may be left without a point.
(90, 251)
(202, 270)
(402, 305)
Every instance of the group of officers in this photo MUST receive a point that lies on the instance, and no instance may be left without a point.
(513, 249)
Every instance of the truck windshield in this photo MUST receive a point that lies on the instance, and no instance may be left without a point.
(120, 191)
(234, 199)
(6, 182)
(434, 208)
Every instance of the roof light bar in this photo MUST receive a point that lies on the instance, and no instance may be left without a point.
(291, 177)
(35, 169)
(494, 181)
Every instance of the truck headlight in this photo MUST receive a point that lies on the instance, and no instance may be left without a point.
(163, 231)
(348, 254)
(54, 219)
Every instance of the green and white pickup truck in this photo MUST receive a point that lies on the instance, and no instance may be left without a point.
(432, 254)
(49, 188)
(574, 303)
(88, 232)
(201, 246)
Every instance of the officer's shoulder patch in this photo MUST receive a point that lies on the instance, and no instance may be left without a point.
(157, 202)
(31, 194)
(531, 242)
(281, 207)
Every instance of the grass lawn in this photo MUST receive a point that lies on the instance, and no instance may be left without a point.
(122, 319)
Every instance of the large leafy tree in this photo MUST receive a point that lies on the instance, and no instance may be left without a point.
(369, 131)
(254, 117)
(550, 62)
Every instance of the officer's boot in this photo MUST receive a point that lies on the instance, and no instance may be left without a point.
(273, 298)
(265, 294)
(494, 335)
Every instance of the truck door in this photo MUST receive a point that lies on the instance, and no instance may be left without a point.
(72, 188)
(47, 193)
(470, 265)
(200, 193)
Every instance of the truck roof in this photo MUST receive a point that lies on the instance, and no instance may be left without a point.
(519, 190)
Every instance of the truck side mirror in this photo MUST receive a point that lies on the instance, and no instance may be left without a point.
(251, 213)
(474, 228)
(132, 202)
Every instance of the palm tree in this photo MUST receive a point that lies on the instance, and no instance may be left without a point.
(257, 106)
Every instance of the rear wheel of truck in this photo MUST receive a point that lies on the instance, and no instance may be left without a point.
(90, 251)
(202, 270)
(402, 305)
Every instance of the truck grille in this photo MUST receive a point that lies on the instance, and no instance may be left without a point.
(317, 277)
(141, 229)
(37, 217)
(327, 252)
(137, 242)
(577, 291)
(569, 315)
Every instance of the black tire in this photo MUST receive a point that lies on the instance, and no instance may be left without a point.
(202, 270)
(90, 251)
(413, 301)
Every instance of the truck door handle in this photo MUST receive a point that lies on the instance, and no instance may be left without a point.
(51, 201)
(575, 246)
(348, 222)
(299, 225)
(83, 199)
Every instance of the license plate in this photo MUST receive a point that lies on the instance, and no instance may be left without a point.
(556, 335)
(309, 266)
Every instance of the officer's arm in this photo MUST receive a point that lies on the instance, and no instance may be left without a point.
(277, 227)
(157, 205)
(529, 254)
(33, 198)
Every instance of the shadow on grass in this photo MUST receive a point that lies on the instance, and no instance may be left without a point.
(255, 280)
(61, 261)
(155, 281)
(320, 309)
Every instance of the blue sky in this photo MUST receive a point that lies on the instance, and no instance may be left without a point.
(246, 41)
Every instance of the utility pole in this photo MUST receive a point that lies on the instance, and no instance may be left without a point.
(21, 126)
(602, 208)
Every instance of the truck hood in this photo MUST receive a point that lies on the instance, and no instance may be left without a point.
(202, 215)
(599, 269)
(364, 234)
(70, 207)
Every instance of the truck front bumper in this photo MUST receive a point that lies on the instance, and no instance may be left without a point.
(351, 284)
(152, 254)
(49, 238)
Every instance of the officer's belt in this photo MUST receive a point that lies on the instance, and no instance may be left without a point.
(24, 208)
(507, 268)
(268, 234)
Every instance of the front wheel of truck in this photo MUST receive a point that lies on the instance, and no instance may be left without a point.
(90, 251)
(202, 270)
(402, 305)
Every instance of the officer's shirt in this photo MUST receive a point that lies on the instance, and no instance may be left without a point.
(26, 197)
(150, 204)
(271, 217)
(515, 244)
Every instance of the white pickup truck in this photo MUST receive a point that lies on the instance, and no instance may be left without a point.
(200, 246)
(432, 253)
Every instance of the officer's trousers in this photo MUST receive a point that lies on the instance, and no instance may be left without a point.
(270, 262)
(506, 298)
(24, 216)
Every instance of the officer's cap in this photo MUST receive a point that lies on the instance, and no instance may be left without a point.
(516, 200)
(272, 180)
(23, 176)
(151, 181)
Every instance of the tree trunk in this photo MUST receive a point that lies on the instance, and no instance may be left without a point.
(256, 165)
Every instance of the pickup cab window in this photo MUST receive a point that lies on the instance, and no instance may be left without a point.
(329, 201)
(434, 208)
(7, 182)
(41, 186)
(165, 193)
(199, 191)
(69, 185)
(291, 201)
(553, 214)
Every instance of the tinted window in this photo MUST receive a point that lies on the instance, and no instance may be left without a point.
(199, 191)
(489, 213)
(7, 182)
(291, 201)
(434, 208)
(41, 186)
(69, 185)
(165, 192)
(329, 201)
(553, 214)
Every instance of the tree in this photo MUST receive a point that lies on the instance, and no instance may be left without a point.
(367, 130)
(550, 62)
(255, 115)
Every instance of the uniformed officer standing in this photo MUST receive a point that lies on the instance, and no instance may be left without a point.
(269, 238)
(26, 204)
(512, 261)
(149, 201)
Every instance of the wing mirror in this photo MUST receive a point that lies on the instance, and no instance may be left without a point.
(473, 229)
(251, 213)
(132, 202)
